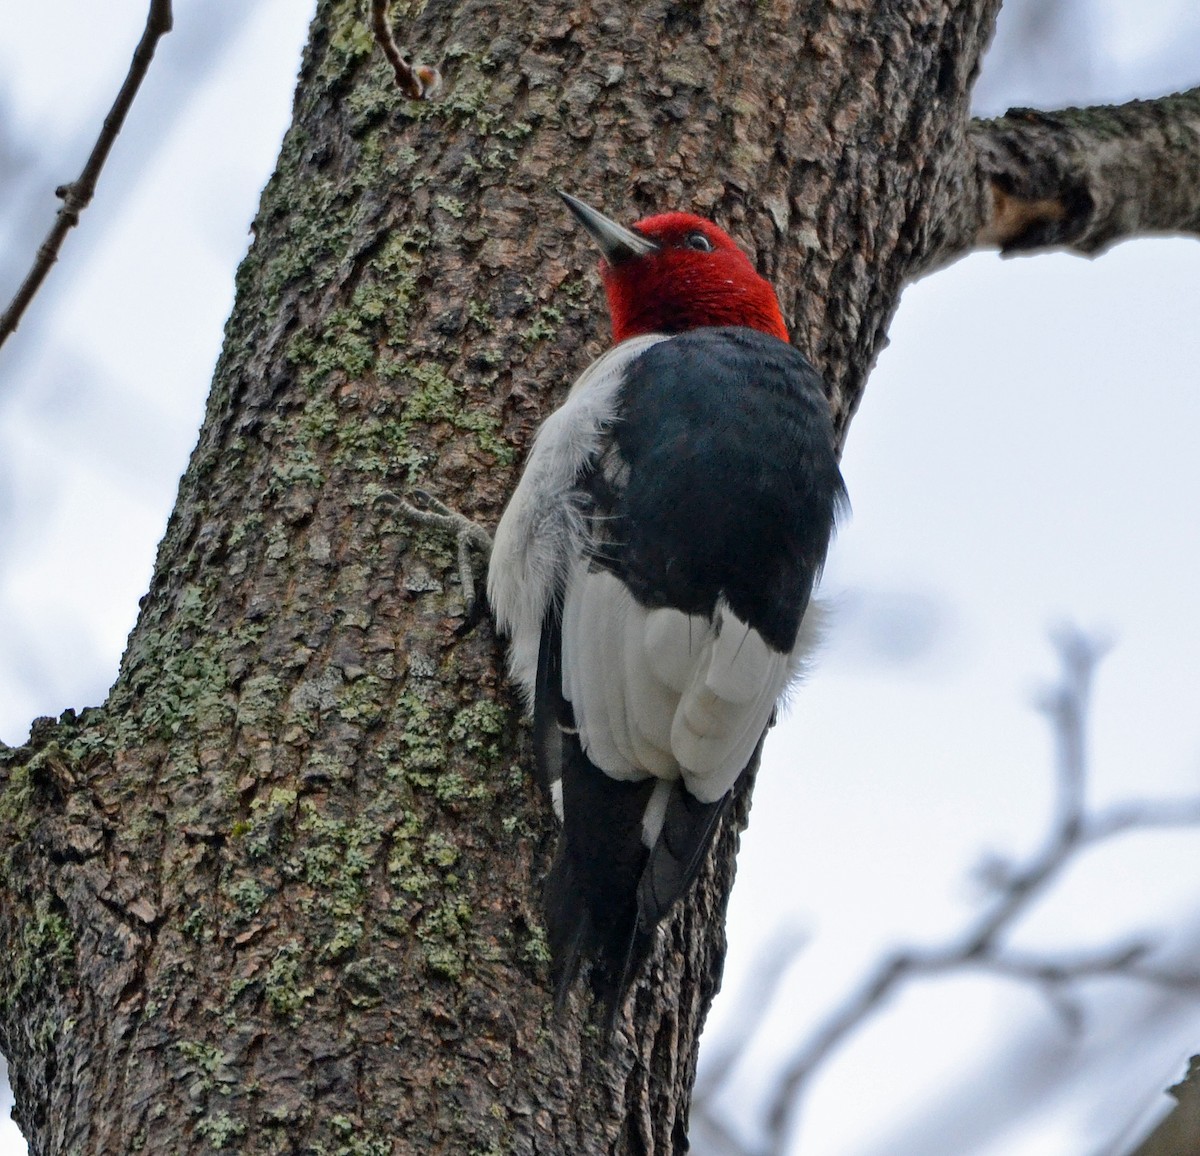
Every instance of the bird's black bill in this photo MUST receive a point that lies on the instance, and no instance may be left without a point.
(616, 242)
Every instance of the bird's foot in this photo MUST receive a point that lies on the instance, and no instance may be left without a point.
(468, 535)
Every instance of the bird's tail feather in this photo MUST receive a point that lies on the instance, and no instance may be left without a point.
(568, 925)
(590, 898)
(687, 830)
(615, 947)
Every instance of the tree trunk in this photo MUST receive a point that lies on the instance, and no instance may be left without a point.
(280, 892)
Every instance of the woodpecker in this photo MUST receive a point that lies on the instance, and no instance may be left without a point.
(652, 572)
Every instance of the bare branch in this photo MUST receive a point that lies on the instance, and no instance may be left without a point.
(871, 994)
(759, 991)
(416, 81)
(78, 194)
(1122, 961)
(1080, 179)
(1014, 888)
(1065, 705)
(1140, 816)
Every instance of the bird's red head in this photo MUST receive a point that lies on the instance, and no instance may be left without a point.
(677, 271)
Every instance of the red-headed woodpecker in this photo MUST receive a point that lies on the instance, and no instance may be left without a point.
(652, 572)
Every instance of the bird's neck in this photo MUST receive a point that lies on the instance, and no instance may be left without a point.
(664, 300)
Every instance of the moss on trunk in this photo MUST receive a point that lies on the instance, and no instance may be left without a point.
(279, 893)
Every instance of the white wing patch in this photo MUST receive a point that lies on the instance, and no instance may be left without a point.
(663, 693)
(542, 533)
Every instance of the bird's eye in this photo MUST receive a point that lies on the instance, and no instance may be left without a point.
(699, 242)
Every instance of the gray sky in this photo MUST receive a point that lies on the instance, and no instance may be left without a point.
(1025, 453)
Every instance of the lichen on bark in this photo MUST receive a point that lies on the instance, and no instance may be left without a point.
(280, 891)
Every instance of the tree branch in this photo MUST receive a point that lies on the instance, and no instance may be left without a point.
(77, 195)
(1080, 179)
(980, 946)
(757, 995)
(416, 81)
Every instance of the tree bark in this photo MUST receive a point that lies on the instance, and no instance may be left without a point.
(280, 892)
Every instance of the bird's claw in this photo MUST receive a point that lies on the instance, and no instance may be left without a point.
(468, 535)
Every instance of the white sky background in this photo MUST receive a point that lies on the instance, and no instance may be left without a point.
(1025, 453)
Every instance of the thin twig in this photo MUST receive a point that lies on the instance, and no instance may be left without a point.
(1123, 961)
(1066, 706)
(416, 81)
(1140, 816)
(757, 996)
(756, 999)
(78, 194)
(714, 1129)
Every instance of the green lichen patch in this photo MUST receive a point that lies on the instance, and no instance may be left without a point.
(206, 1069)
(421, 736)
(349, 1137)
(544, 325)
(452, 787)
(43, 954)
(406, 866)
(318, 222)
(195, 925)
(17, 800)
(220, 1129)
(284, 988)
(336, 862)
(258, 703)
(343, 345)
(381, 446)
(439, 851)
(443, 935)
(431, 397)
(451, 205)
(480, 727)
(268, 830)
(368, 335)
(190, 687)
(246, 897)
(536, 948)
(363, 701)
(376, 316)
(350, 43)
(297, 467)
(245, 529)
(175, 675)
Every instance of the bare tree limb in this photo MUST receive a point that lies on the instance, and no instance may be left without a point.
(1080, 179)
(1122, 960)
(1014, 889)
(759, 991)
(416, 81)
(1140, 816)
(77, 195)
(756, 998)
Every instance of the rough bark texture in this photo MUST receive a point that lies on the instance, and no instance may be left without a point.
(279, 893)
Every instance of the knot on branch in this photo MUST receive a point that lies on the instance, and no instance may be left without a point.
(1036, 203)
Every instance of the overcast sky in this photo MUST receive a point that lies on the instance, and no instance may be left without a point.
(1025, 454)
